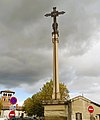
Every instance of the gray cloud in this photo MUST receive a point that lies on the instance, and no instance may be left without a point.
(26, 45)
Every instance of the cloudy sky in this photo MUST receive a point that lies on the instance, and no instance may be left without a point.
(26, 46)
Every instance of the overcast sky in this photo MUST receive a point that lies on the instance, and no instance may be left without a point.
(26, 46)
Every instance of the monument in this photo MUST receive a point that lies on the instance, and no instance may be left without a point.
(55, 41)
(55, 109)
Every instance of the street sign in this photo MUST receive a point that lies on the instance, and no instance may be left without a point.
(13, 100)
(12, 114)
(90, 109)
(12, 107)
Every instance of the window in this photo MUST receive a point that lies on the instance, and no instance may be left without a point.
(4, 94)
(8, 99)
(9, 95)
(78, 116)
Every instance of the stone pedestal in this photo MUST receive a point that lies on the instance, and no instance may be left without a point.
(55, 110)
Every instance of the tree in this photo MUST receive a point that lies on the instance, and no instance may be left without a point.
(0, 105)
(33, 105)
(37, 104)
(64, 93)
(38, 109)
(27, 106)
(47, 91)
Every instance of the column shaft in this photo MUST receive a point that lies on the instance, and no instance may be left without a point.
(56, 93)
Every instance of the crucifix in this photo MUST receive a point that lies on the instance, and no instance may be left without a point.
(55, 14)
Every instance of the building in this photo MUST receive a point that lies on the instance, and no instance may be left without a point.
(5, 97)
(7, 106)
(79, 109)
(73, 109)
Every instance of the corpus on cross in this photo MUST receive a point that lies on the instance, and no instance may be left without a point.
(54, 14)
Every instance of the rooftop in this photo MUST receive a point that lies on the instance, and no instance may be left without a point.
(7, 91)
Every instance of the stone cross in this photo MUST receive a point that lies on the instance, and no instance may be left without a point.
(54, 14)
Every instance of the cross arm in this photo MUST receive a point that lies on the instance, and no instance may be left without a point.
(49, 14)
(62, 12)
(54, 14)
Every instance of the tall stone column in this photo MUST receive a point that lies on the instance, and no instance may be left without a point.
(56, 93)
(54, 14)
(56, 108)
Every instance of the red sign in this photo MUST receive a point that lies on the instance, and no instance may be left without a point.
(13, 100)
(12, 114)
(90, 109)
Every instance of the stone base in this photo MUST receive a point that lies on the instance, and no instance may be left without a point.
(55, 118)
(55, 110)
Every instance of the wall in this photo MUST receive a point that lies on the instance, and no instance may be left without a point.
(5, 113)
(55, 112)
(81, 106)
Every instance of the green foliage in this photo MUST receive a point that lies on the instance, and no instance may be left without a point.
(33, 105)
(0, 105)
(27, 106)
(47, 90)
(64, 93)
